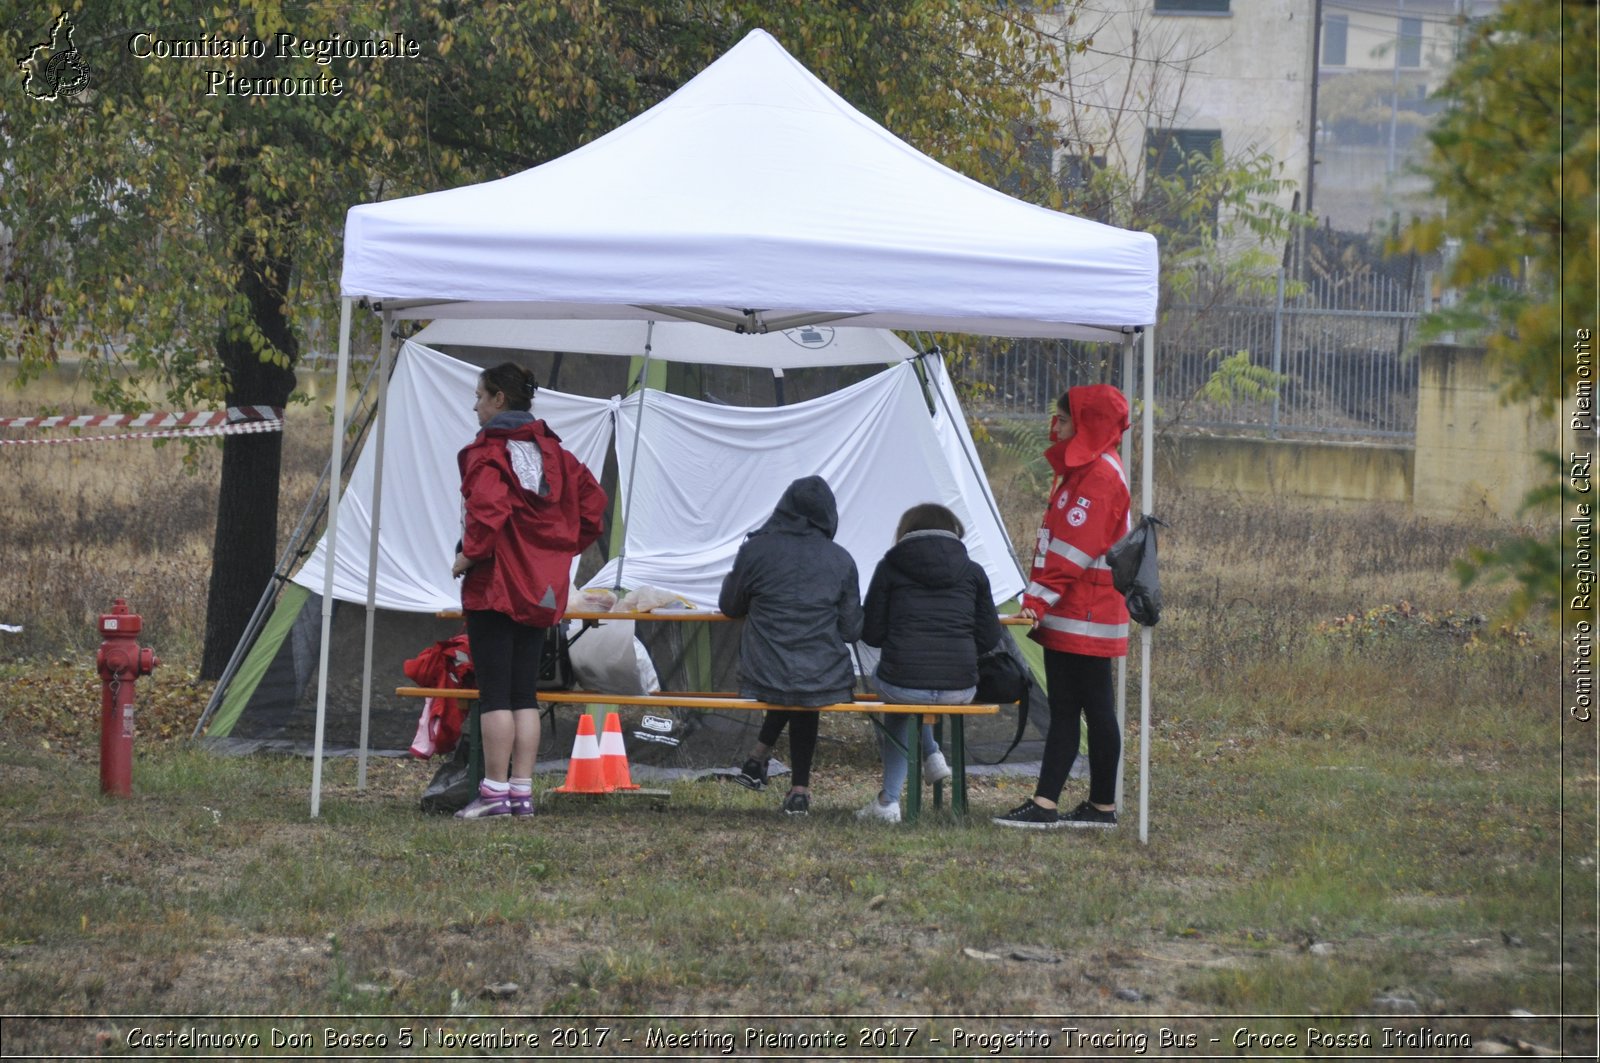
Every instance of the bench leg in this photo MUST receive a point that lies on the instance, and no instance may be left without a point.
(958, 765)
(913, 769)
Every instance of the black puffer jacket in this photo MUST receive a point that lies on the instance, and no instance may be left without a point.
(930, 609)
(800, 596)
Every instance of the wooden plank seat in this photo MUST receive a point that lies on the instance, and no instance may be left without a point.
(718, 702)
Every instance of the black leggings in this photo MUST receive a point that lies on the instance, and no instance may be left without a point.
(1080, 686)
(505, 658)
(802, 739)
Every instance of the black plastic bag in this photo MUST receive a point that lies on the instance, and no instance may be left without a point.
(1002, 675)
(1135, 571)
(455, 784)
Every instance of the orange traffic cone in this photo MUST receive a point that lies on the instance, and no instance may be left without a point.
(613, 757)
(583, 773)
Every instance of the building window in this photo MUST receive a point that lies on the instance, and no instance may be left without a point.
(1075, 176)
(1409, 46)
(1335, 38)
(1176, 156)
(1176, 152)
(1027, 170)
(1191, 7)
(1074, 172)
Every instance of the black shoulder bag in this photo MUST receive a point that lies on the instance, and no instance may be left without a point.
(1003, 678)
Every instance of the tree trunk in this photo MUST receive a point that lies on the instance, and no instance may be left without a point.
(245, 548)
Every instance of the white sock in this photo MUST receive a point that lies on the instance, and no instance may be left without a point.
(490, 788)
(521, 787)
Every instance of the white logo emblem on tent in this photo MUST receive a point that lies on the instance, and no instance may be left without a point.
(810, 336)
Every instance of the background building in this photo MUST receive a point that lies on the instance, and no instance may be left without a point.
(1337, 92)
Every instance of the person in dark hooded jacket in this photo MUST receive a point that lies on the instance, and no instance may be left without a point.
(1079, 618)
(929, 608)
(800, 597)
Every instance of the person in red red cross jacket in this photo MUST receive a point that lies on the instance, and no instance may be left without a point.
(1078, 616)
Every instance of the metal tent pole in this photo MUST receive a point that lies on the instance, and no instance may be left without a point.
(633, 468)
(372, 549)
(1146, 500)
(335, 462)
(1122, 662)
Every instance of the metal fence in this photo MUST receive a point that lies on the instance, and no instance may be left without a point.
(1326, 356)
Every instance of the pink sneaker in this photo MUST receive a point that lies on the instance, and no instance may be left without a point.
(521, 804)
(482, 807)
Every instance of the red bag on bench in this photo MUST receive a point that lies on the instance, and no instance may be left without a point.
(446, 665)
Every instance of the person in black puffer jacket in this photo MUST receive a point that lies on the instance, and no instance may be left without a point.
(930, 609)
(800, 595)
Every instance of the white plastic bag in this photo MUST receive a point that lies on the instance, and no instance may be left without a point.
(649, 599)
(608, 659)
(592, 600)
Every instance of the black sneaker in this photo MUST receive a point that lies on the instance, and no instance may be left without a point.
(1086, 815)
(797, 804)
(1031, 815)
(753, 776)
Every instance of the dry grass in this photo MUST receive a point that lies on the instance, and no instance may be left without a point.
(86, 523)
(1355, 801)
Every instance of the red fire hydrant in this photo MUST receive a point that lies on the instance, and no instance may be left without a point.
(121, 661)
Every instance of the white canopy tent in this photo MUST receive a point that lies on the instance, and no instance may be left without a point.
(756, 199)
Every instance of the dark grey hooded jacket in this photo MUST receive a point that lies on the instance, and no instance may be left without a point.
(800, 598)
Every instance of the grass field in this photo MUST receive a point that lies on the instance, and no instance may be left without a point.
(1365, 816)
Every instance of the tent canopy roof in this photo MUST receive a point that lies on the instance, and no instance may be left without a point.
(754, 198)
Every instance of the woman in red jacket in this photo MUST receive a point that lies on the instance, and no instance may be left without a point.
(1078, 616)
(529, 507)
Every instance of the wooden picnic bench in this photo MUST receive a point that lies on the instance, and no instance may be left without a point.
(719, 702)
(728, 702)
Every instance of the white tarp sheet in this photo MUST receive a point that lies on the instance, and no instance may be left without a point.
(430, 420)
(706, 476)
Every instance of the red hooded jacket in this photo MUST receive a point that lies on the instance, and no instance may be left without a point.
(530, 507)
(1069, 588)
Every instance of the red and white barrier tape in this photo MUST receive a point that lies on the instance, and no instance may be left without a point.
(174, 433)
(153, 419)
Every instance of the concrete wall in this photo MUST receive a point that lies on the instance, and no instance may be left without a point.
(1474, 456)
(1334, 472)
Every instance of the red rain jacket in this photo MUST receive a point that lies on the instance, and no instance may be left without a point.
(530, 508)
(1069, 588)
